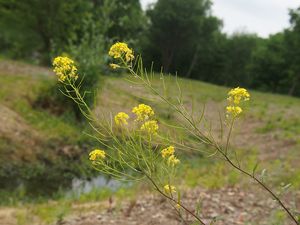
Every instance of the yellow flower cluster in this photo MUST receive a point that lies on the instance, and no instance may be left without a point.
(143, 112)
(235, 96)
(169, 152)
(97, 154)
(173, 161)
(64, 68)
(121, 118)
(150, 127)
(119, 50)
(234, 110)
(169, 189)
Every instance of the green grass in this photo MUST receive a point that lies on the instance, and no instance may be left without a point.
(19, 92)
(55, 211)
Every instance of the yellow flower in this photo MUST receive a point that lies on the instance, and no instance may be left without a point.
(237, 95)
(167, 151)
(121, 118)
(97, 154)
(150, 126)
(119, 50)
(64, 68)
(114, 66)
(173, 161)
(169, 189)
(129, 56)
(143, 112)
(234, 110)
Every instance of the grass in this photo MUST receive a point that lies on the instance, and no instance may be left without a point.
(51, 212)
(17, 95)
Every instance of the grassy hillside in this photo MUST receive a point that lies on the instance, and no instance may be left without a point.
(41, 146)
(268, 132)
(35, 145)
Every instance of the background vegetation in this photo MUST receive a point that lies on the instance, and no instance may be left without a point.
(194, 46)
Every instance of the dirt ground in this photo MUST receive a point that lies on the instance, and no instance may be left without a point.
(232, 206)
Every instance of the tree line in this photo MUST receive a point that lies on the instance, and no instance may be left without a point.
(181, 37)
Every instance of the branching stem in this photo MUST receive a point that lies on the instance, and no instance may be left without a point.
(174, 200)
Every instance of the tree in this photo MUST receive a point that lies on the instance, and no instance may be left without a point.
(239, 49)
(292, 39)
(268, 67)
(42, 23)
(127, 21)
(179, 32)
(276, 63)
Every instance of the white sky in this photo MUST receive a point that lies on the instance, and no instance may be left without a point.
(263, 17)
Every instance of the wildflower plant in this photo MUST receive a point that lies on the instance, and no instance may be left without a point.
(135, 147)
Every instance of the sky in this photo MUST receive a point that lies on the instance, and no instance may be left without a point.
(263, 17)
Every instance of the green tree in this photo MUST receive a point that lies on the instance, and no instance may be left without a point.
(276, 63)
(268, 67)
(238, 50)
(292, 39)
(128, 20)
(179, 33)
(41, 23)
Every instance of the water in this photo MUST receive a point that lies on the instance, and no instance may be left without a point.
(81, 186)
(48, 188)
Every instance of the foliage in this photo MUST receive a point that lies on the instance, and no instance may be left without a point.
(41, 23)
(292, 40)
(268, 64)
(190, 28)
(87, 49)
(239, 50)
(193, 47)
(275, 63)
(127, 21)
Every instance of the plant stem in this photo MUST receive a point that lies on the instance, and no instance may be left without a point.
(261, 184)
(173, 200)
(229, 134)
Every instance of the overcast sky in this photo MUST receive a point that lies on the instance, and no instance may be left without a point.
(263, 17)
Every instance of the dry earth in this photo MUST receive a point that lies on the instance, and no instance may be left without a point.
(14, 129)
(10, 67)
(232, 206)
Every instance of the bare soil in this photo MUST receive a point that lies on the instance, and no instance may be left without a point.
(228, 206)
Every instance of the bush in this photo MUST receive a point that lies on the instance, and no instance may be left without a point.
(88, 53)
